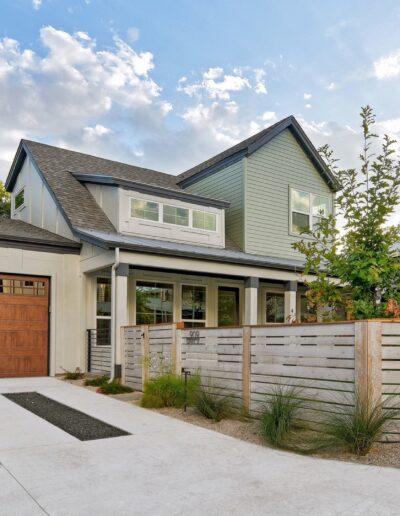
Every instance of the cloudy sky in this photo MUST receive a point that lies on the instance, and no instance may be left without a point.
(168, 84)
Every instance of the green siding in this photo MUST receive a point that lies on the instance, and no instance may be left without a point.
(226, 184)
(270, 172)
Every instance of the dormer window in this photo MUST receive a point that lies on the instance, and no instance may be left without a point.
(19, 199)
(147, 210)
(175, 215)
(204, 220)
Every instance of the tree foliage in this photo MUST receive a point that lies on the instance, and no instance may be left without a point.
(362, 255)
(5, 202)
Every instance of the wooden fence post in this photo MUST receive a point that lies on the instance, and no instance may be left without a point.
(246, 369)
(145, 354)
(368, 360)
(123, 352)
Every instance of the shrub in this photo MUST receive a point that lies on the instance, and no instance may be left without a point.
(114, 387)
(356, 428)
(168, 390)
(96, 382)
(74, 375)
(278, 416)
(213, 403)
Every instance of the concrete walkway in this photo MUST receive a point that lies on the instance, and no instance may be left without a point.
(167, 467)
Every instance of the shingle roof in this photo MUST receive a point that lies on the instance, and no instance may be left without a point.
(166, 247)
(252, 143)
(13, 230)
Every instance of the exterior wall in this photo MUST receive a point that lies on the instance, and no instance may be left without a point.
(270, 172)
(40, 208)
(107, 197)
(227, 184)
(67, 298)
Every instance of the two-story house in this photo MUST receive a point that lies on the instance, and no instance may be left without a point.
(94, 243)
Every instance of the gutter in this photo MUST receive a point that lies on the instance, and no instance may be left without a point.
(113, 313)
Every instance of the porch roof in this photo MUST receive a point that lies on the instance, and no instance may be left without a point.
(165, 247)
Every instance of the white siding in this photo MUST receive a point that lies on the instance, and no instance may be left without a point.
(40, 208)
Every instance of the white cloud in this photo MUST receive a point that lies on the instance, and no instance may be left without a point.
(307, 96)
(331, 86)
(259, 76)
(215, 84)
(36, 4)
(269, 117)
(388, 66)
(133, 34)
(308, 106)
(74, 91)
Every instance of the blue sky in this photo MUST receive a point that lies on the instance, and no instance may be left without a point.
(168, 84)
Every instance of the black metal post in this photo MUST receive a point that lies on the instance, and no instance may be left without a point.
(186, 372)
(89, 355)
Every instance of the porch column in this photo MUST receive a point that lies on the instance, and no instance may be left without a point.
(290, 301)
(121, 312)
(251, 301)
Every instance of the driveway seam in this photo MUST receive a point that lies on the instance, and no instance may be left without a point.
(24, 488)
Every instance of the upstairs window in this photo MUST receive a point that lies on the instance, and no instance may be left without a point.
(147, 210)
(19, 200)
(307, 209)
(204, 220)
(175, 215)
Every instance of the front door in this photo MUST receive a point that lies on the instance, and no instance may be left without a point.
(228, 306)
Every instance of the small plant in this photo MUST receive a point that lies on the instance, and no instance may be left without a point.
(96, 382)
(212, 403)
(356, 428)
(114, 387)
(168, 390)
(278, 416)
(73, 375)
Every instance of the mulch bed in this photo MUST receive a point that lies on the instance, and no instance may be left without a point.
(72, 421)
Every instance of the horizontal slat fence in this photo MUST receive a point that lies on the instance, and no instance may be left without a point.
(217, 356)
(316, 361)
(99, 356)
(326, 363)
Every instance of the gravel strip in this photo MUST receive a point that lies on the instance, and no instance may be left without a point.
(74, 422)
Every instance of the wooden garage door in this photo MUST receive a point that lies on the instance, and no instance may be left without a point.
(24, 326)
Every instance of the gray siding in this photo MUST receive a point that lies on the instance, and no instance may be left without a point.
(227, 184)
(270, 172)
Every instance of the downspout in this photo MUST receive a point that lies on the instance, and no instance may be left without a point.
(113, 312)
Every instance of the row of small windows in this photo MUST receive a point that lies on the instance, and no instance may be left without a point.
(167, 214)
(22, 287)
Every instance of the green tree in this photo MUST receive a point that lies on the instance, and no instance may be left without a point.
(362, 255)
(5, 202)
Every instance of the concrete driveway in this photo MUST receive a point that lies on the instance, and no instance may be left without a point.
(166, 467)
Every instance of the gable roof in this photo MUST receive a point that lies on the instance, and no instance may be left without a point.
(250, 145)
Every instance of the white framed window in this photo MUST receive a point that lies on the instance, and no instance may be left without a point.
(103, 311)
(147, 210)
(175, 215)
(306, 210)
(19, 199)
(204, 220)
(194, 305)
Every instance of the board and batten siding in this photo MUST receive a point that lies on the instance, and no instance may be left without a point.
(270, 172)
(39, 209)
(226, 184)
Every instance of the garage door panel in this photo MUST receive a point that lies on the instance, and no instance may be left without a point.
(24, 315)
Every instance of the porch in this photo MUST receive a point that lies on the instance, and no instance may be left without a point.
(162, 295)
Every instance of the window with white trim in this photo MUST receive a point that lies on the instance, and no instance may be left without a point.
(103, 311)
(307, 209)
(204, 220)
(194, 301)
(147, 210)
(19, 199)
(175, 215)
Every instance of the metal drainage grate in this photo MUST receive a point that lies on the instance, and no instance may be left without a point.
(76, 423)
